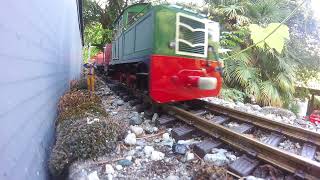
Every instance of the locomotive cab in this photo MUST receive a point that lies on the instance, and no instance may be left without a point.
(169, 51)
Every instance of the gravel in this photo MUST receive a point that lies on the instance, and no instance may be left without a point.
(273, 113)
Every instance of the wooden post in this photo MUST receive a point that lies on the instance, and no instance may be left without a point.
(310, 105)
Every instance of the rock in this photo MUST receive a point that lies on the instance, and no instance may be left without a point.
(125, 162)
(140, 142)
(138, 131)
(109, 169)
(166, 137)
(148, 150)
(231, 157)
(119, 167)
(149, 129)
(189, 156)
(218, 159)
(256, 107)
(132, 152)
(167, 140)
(130, 139)
(119, 102)
(253, 178)
(155, 117)
(180, 149)
(135, 119)
(155, 129)
(188, 142)
(110, 177)
(278, 111)
(93, 176)
(157, 156)
(129, 158)
(137, 162)
(298, 145)
(216, 150)
(172, 177)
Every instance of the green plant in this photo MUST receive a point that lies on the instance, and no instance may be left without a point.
(232, 94)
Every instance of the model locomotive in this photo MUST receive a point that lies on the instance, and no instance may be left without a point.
(166, 50)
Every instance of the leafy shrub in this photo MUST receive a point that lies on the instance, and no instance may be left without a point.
(294, 107)
(79, 140)
(232, 94)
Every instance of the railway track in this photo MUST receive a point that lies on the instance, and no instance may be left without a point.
(302, 166)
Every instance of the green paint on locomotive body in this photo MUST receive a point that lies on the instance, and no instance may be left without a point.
(165, 28)
(150, 34)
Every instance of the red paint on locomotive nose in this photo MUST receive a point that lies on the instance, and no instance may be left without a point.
(169, 77)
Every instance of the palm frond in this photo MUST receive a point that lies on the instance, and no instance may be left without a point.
(269, 94)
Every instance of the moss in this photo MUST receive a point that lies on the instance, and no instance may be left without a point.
(79, 85)
(83, 110)
(78, 140)
(73, 99)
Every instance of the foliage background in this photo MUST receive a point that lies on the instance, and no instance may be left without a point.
(265, 74)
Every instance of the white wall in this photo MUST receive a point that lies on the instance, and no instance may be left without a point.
(40, 52)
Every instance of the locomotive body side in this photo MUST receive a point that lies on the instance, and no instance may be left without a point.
(165, 53)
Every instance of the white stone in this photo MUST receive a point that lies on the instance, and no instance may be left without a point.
(119, 167)
(189, 156)
(166, 137)
(110, 177)
(129, 158)
(131, 152)
(157, 156)
(138, 131)
(93, 176)
(130, 139)
(216, 150)
(172, 177)
(231, 157)
(155, 129)
(148, 150)
(188, 142)
(218, 159)
(253, 178)
(109, 169)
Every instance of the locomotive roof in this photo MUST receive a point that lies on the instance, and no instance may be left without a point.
(138, 4)
(175, 7)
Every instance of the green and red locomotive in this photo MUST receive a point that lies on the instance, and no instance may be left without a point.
(167, 50)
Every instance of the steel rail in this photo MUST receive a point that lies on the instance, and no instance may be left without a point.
(290, 162)
(285, 129)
